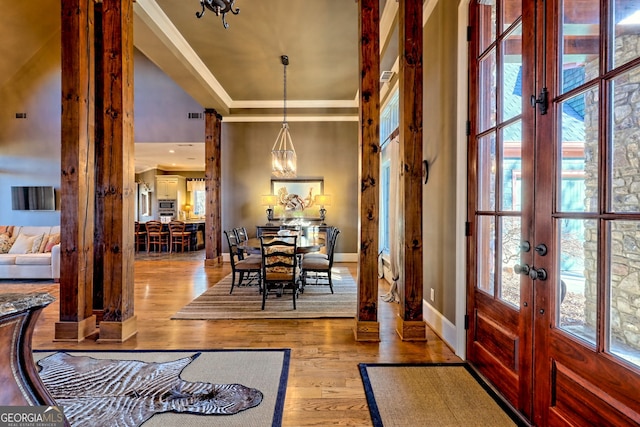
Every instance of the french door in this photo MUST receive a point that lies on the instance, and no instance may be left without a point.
(554, 207)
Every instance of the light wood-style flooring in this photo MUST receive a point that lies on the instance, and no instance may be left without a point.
(324, 387)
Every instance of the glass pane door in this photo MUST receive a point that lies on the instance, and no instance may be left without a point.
(588, 350)
(496, 197)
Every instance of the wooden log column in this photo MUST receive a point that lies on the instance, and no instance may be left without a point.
(410, 324)
(98, 240)
(213, 172)
(77, 173)
(367, 327)
(115, 172)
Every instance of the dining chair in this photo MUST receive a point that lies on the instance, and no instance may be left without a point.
(319, 266)
(140, 236)
(156, 237)
(242, 265)
(279, 266)
(242, 236)
(178, 237)
(324, 251)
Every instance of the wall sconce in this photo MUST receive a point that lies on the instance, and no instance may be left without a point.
(269, 200)
(322, 200)
(144, 187)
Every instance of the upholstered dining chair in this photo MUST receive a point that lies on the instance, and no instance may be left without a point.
(279, 266)
(318, 266)
(140, 236)
(156, 237)
(242, 265)
(178, 237)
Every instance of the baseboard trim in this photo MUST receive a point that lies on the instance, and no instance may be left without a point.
(440, 325)
(345, 257)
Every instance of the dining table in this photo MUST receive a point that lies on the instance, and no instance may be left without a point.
(305, 244)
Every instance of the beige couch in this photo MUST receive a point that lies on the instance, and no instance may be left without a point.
(30, 252)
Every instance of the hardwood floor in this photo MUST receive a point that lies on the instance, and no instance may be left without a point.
(324, 386)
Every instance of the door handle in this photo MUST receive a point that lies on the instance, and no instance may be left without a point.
(525, 246)
(538, 273)
(541, 249)
(521, 269)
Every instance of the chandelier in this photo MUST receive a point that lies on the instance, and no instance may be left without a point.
(218, 7)
(283, 155)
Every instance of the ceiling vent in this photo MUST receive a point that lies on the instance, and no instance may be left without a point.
(385, 76)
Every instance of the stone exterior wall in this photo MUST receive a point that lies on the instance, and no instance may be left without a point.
(625, 235)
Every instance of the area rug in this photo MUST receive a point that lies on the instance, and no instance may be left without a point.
(317, 301)
(230, 388)
(432, 395)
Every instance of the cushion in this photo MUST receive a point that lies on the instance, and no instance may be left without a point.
(5, 243)
(253, 263)
(6, 229)
(26, 244)
(53, 240)
(282, 271)
(315, 263)
(6, 259)
(38, 244)
(43, 243)
(33, 259)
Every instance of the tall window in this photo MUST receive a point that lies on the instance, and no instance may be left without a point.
(198, 197)
(389, 120)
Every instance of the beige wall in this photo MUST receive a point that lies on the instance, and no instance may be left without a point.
(439, 128)
(30, 148)
(161, 107)
(323, 149)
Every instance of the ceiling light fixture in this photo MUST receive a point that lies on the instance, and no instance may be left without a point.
(283, 155)
(218, 7)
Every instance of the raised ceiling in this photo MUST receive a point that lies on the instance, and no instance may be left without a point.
(236, 71)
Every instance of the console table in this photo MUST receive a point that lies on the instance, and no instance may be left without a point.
(21, 384)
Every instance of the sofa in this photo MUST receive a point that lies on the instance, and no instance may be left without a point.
(30, 252)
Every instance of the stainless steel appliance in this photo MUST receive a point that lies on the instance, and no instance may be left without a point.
(166, 204)
(167, 210)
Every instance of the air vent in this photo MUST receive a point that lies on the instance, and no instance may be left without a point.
(195, 116)
(385, 76)
(21, 115)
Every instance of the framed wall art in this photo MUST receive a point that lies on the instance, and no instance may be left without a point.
(296, 197)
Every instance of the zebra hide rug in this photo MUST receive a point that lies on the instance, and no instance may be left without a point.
(126, 393)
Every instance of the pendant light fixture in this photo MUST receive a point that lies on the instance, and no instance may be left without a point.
(283, 155)
(219, 7)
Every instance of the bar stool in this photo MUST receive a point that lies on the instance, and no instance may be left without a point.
(155, 235)
(140, 236)
(177, 236)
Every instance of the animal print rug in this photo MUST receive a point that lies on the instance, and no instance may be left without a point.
(126, 393)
